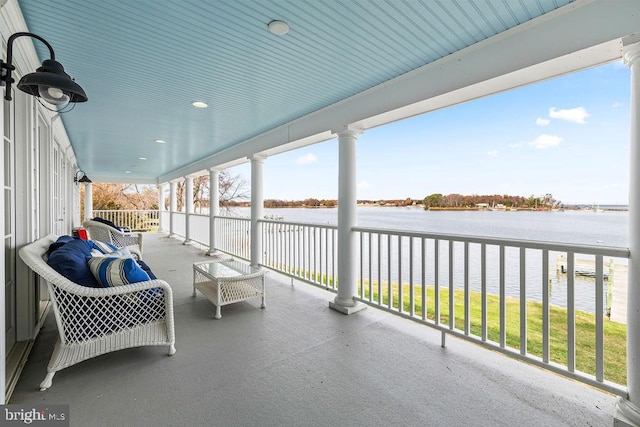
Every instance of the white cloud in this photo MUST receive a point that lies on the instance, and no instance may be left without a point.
(616, 105)
(515, 145)
(545, 141)
(575, 115)
(493, 154)
(542, 122)
(305, 159)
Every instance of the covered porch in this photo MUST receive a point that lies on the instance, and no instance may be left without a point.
(297, 362)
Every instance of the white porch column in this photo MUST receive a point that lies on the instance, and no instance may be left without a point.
(347, 203)
(628, 410)
(257, 208)
(188, 208)
(161, 209)
(173, 204)
(88, 201)
(214, 207)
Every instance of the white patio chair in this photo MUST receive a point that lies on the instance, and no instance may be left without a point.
(104, 233)
(95, 321)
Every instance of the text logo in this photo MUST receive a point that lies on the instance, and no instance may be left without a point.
(36, 415)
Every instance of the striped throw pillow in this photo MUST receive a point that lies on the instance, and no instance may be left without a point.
(102, 247)
(111, 272)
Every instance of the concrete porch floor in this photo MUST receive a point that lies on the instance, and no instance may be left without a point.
(299, 363)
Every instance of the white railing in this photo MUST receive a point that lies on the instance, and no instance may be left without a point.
(482, 289)
(233, 236)
(143, 220)
(165, 217)
(179, 223)
(199, 228)
(526, 299)
(305, 251)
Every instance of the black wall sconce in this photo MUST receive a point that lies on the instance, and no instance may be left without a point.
(49, 82)
(81, 177)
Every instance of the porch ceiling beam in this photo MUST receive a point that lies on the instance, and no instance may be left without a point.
(582, 34)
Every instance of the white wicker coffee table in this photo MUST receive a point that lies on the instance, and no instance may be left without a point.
(226, 282)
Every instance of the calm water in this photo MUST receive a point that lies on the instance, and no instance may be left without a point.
(609, 228)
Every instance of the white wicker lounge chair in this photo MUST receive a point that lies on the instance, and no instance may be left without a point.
(104, 233)
(95, 321)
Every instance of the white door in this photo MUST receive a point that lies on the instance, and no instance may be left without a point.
(42, 209)
(9, 228)
(44, 179)
(57, 181)
(34, 204)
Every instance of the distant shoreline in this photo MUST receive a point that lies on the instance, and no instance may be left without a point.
(526, 209)
(612, 208)
(451, 202)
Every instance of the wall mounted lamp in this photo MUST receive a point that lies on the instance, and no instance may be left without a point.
(81, 177)
(49, 83)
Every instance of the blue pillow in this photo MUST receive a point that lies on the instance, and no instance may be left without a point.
(70, 260)
(152, 293)
(107, 222)
(111, 272)
(143, 265)
(59, 243)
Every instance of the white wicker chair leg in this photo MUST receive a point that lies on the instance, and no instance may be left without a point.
(47, 381)
(218, 314)
(172, 350)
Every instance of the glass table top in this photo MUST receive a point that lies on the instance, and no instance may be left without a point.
(225, 268)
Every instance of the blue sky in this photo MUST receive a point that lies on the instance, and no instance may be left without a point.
(568, 136)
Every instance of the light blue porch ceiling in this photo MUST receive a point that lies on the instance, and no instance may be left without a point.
(142, 63)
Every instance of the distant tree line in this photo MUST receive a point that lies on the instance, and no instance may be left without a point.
(438, 200)
(332, 203)
(309, 203)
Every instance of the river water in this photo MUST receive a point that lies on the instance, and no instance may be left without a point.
(607, 228)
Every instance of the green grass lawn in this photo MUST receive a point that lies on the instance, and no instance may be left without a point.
(614, 333)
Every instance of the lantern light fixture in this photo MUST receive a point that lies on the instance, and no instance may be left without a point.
(49, 83)
(81, 177)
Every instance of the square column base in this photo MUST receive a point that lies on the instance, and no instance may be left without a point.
(627, 414)
(347, 310)
(622, 421)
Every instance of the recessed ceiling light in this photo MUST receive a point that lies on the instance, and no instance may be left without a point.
(199, 104)
(142, 158)
(279, 28)
(161, 141)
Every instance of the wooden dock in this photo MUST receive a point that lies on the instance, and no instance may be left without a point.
(615, 276)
